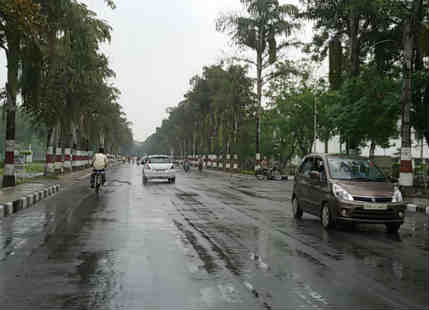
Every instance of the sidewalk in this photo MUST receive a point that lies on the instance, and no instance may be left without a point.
(14, 199)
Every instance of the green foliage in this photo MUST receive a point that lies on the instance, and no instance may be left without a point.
(367, 109)
(213, 117)
(65, 80)
(420, 109)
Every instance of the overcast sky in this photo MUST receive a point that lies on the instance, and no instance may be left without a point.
(156, 48)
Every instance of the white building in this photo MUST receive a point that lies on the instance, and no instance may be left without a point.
(419, 147)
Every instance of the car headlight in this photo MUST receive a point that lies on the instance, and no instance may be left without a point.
(341, 193)
(397, 195)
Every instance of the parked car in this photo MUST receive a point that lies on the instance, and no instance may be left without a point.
(158, 167)
(339, 188)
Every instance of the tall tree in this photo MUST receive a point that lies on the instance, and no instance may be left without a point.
(19, 21)
(260, 30)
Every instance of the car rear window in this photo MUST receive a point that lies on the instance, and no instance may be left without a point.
(159, 160)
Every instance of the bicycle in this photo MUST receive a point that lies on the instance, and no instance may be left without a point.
(268, 174)
(98, 182)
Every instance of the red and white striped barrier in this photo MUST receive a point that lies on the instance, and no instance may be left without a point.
(228, 162)
(75, 155)
(67, 160)
(220, 162)
(235, 165)
(59, 164)
(50, 160)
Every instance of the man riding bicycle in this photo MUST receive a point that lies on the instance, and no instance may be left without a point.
(99, 163)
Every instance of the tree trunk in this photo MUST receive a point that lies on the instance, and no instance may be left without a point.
(259, 98)
(355, 46)
(372, 150)
(68, 150)
(12, 54)
(426, 104)
(406, 168)
(335, 63)
(49, 163)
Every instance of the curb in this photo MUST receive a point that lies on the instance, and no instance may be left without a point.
(11, 207)
(415, 208)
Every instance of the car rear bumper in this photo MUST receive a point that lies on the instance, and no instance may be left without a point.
(159, 175)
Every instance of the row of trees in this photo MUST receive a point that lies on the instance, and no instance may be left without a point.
(215, 116)
(378, 78)
(55, 65)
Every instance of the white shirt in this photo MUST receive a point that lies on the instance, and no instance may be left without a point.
(99, 161)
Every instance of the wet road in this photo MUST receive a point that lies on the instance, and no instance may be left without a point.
(211, 240)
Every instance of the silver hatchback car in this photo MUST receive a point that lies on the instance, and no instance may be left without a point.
(158, 167)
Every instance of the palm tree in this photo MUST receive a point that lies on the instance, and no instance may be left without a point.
(265, 23)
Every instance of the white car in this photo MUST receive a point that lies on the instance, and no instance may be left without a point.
(158, 167)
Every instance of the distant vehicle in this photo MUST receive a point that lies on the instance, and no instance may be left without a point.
(158, 167)
(340, 188)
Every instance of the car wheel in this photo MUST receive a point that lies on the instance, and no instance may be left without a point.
(276, 176)
(259, 174)
(296, 209)
(392, 228)
(326, 217)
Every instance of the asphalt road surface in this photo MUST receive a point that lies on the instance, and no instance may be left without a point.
(210, 241)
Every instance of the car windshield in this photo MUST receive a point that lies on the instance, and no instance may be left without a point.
(159, 160)
(354, 169)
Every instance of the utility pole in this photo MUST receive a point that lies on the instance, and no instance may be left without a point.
(314, 126)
